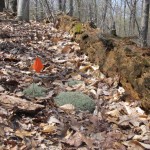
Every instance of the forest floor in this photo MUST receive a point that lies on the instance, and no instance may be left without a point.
(38, 123)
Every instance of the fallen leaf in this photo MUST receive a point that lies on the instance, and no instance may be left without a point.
(37, 65)
(53, 120)
(68, 107)
(66, 49)
(75, 140)
(1, 89)
(113, 113)
(49, 129)
(135, 145)
(23, 133)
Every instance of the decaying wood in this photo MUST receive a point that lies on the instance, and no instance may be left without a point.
(11, 101)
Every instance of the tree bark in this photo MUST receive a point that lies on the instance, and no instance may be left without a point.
(124, 18)
(23, 10)
(2, 5)
(60, 5)
(71, 8)
(144, 24)
(96, 12)
(104, 14)
(13, 5)
(64, 5)
(79, 8)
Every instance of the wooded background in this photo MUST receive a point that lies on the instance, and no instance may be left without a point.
(126, 17)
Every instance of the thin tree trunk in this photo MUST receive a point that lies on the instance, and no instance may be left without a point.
(124, 18)
(135, 18)
(96, 12)
(2, 5)
(23, 10)
(50, 13)
(6, 4)
(64, 5)
(144, 24)
(90, 13)
(71, 8)
(104, 15)
(13, 5)
(41, 10)
(79, 8)
(36, 9)
(60, 5)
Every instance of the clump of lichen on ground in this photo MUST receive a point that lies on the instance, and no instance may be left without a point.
(78, 99)
(74, 82)
(34, 91)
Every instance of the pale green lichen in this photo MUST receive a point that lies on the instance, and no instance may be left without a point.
(78, 99)
(74, 82)
(34, 91)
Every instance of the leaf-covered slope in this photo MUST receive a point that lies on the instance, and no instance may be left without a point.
(114, 124)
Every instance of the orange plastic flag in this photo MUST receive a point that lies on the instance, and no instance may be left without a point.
(37, 65)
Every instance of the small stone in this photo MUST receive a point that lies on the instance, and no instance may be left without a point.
(1, 89)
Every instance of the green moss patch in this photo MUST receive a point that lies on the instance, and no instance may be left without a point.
(34, 91)
(78, 99)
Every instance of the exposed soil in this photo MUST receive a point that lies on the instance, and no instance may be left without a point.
(115, 55)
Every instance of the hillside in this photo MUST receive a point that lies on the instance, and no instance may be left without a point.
(73, 62)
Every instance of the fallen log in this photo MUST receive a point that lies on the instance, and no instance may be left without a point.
(10, 102)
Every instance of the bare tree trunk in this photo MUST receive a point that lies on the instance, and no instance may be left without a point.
(36, 10)
(132, 21)
(144, 23)
(13, 5)
(23, 10)
(79, 8)
(64, 5)
(104, 15)
(41, 10)
(2, 5)
(111, 18)
(6, 4)
(60, 5)
(90, 13)
(124, 18)
(71, 8)
(50, 13)
(134, 15)
(95, 7)
(135, 18)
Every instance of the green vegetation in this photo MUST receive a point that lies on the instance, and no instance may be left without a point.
(34, 91)
(78, 99)
(74, 82)
(78, 28)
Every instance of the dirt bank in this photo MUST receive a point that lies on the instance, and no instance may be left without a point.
(114, 55)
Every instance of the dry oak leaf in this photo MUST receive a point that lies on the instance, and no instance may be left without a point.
(49, 128)
(23, 133)
(77, 139)
(67, 107)
(37, 65)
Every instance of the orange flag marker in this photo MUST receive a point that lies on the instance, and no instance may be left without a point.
(37, 65)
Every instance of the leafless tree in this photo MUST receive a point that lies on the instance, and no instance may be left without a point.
(71, 9)
(144, 23)
(23, 10)
(2, 5)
